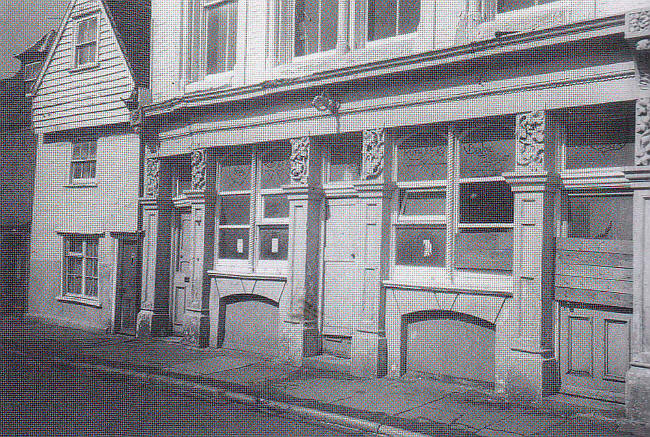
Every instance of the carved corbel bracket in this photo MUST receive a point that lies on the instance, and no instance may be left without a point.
(373, 154)
(198, 170)
(300, 160)
(151, 177)
(530, 141)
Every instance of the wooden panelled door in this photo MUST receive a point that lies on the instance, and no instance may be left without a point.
(127, 286)
(182, 268)
(340, 267)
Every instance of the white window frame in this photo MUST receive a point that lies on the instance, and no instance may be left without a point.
(207, 4)
(257, 220)
(84, 257)
(397, 35)
(78, 45)
(82, 160)
(448, 276)
(318, 53)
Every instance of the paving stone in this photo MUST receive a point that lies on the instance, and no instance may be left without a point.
(214, 364)
(480, 416)
(524, 424)
(147, 353)
(388, 396)
(255, 373)
(441, 411)
(487, 432)
(577, 427)
(327, 390)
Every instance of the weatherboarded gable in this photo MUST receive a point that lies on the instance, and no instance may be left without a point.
(69, 95)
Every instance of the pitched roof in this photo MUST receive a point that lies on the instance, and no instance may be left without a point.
(132, 23)
(39, 49)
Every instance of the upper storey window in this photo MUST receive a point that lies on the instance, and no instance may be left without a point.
(86, 42)
(221, 36)
(511, 5)
(387, 18)
(316, 25)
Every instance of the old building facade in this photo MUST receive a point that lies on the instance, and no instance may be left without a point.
(84, 243)
(447, 188)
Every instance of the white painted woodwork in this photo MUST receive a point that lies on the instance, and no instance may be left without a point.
(71, 98)
(182, 273)
(340, 267)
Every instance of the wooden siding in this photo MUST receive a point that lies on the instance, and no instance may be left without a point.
(68, 98)
(594, 271)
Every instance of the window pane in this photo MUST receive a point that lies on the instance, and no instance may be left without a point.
(486, 202)
(74, 284)
(409, 16)
(274, 242)
(275, 171)
(511, 5)
(307, 23)
(235, 210)
(91, 267)
(345, 159)
(236, 177)
(221, 23)
(86, 53)
(91, 248)
(329, 24)
(420, 246)
(91, 287)
(233, 243)
(601, 136)
(486, 250)
(276, 206)
(75, 245)
(75, 266)
(423, 157)
(601, 217)
(382, 19)
(87, 30)
(423, 203)
(487, 158)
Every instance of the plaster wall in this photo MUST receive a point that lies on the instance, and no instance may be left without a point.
(111, 205)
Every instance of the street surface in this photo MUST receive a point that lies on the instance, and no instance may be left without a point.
(40, 399)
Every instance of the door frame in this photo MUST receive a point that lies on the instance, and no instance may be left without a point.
(324, 216)
(119, 238)
(178, 210)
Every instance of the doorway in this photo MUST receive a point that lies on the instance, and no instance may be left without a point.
(181, 268)
(340, 274)
(127, 286)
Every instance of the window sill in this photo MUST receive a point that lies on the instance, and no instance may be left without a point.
(538, 17)
(80, 184)
(80, 68)
(80, 300)
(212, 81)
(247, 275)
(427, 279)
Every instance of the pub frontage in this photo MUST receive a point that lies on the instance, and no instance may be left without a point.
(479, 216)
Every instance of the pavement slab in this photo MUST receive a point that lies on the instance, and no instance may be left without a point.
(327, 390)
(521, 423)
(254, 374)
(441, 411)
(146, 353)
(578, 427)
(389, 397)
(213, 364)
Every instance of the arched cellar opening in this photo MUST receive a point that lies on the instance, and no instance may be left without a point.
(249, 322)
(449, 345)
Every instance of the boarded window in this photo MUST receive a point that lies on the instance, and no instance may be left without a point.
(345, 158)
(221, 37)
(274, 242)
(597, 217)
(420, 246)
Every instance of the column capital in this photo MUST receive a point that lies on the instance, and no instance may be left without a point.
(532, 181)
(637, 23)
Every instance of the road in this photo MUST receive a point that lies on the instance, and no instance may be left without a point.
(40, 399)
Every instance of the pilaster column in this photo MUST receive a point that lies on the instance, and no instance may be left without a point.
(638, 377)
(196, 328)
(156, 205)
(526, 366)
(369, 347)
(299, 307)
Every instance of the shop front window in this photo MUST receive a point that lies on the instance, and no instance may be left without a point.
(254, 211)
(455, 209)
(601, 217)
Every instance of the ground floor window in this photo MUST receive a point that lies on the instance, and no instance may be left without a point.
(80, 265)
